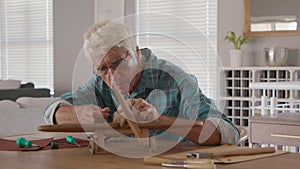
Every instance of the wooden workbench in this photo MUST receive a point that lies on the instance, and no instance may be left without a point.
(80, 158)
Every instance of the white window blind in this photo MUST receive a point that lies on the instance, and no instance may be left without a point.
(26, 38)
(189, 43)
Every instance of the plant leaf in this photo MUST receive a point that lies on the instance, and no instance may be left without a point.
(237, 41)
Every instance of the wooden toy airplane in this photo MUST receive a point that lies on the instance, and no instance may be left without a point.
(101, 130)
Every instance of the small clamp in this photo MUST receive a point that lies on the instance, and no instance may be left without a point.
(54, 145)
(199, 155)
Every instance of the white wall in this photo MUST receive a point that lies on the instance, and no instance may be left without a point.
(109, 9)
(230, 18)
(71, 19)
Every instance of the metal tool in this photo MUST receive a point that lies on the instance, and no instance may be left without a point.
(71, 140)
(158, 160)
(22, 142)
(190, 165)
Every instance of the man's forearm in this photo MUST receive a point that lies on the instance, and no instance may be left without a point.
(66, 115)
(208, 136)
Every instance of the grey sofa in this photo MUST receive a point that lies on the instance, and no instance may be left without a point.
(23, 115)
(26, 90)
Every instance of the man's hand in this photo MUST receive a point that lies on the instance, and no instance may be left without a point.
(91, 113)
(143, 112)
(81, 114)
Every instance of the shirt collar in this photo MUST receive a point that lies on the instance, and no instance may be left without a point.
(151, 70)
(150, 74)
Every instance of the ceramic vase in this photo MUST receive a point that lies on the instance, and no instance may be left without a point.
(236, 58)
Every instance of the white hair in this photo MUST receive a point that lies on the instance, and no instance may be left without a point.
(102, 36)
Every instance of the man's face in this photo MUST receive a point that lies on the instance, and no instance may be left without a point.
(117, 65)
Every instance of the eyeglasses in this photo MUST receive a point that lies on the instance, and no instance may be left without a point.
(101, 71)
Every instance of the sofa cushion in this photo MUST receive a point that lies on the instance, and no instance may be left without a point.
(27, 85)
(30, 102)
(14, 94)
(21, 121)
(9, 105)
(10, 84)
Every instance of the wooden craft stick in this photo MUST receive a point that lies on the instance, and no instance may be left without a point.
(128, 113)
(245, 151)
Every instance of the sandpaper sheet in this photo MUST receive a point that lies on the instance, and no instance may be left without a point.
(44, 144)
(227, 159)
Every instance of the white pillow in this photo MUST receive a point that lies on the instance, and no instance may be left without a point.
(28, 102)
(10, 84)
(9, 105)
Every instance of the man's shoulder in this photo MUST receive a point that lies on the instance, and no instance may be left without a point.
(163, 67)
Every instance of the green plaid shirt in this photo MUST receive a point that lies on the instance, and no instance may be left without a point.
(164, 85)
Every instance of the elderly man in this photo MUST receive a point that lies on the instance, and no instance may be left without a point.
(157, 89)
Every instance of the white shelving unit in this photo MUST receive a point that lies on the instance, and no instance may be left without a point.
(238, 99)
(270, 106)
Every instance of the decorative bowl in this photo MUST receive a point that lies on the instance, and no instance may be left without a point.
(276, 56)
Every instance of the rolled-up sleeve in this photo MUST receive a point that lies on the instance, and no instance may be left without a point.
(229, 135)
(50, 110)
(83, 95)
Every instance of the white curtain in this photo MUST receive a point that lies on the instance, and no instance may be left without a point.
(184, 32)
(26, 36)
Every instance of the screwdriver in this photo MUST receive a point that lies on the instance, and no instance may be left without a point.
(22, 142)
(71, 140)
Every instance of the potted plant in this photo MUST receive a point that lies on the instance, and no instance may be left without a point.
(236, 54)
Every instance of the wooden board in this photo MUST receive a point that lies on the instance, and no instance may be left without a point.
(116, 126)
(226, 159)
